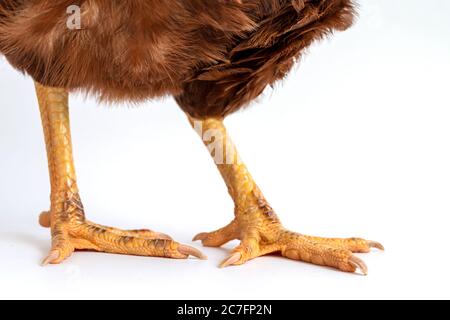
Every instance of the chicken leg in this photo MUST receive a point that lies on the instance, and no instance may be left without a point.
(70, 230)
(257, 226)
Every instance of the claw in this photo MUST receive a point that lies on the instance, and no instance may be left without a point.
(200, 237)
(191, 251)
(44, 219)
(232, 260)
(358, 264)
(53, 256)
(377, 245)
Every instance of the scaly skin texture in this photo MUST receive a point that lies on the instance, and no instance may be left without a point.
(69, 228)
(257, 226)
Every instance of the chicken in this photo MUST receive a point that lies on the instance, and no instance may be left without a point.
(214, 57)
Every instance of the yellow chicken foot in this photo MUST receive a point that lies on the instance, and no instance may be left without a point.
(257, 226)
(69, 228)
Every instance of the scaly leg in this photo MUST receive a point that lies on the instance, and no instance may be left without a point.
(69, 228)
(257, 225)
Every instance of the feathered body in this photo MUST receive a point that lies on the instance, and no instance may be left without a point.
(213, 56)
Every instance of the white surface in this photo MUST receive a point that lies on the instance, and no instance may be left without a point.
(355, 143)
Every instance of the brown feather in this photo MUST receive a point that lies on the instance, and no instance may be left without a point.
(214, 56)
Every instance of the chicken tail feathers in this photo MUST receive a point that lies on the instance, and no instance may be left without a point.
(264, 55)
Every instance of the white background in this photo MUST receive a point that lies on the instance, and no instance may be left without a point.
(355, 143)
